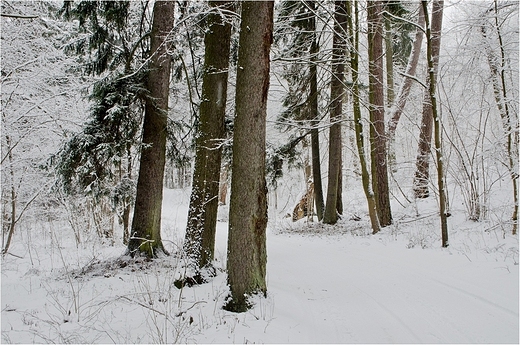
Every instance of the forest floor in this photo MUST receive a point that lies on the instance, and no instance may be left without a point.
(326, 284)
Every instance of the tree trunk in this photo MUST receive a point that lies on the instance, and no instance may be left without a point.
(337, 91)
(377, 113)
(422, 173)
(199, 244)
(12, 217)
(389, 62)
(314, 117)
(146, 224)
(247, 254)
(358, 124)
(437, 9)
(223, 187)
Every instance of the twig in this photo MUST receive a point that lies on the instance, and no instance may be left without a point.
(142, 305)
(18, 16)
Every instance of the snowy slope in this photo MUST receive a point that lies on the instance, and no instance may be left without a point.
(325, 285)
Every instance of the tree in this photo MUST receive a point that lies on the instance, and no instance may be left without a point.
(247, 255)
(337, 91)
(146, 224)
(314, 115)
(379, 165)
(297, 35)
(404, 90)
(358, 124)
(497, 66)
(199, 242)
(422, 172)
(38, 100)
(437, 6)
(95, 164)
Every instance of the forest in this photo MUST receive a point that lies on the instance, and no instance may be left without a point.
(203, 171)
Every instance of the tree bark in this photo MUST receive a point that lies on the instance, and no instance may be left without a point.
(337, 91)
(146, 224)
(199, 243)
(389, 62)
(314, 117)
(247, 254)
(437, 6)
(380, 184)
(422, 173)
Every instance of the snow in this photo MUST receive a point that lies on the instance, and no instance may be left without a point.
(326, 284)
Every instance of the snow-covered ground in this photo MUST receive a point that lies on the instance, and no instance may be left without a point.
(326, 284)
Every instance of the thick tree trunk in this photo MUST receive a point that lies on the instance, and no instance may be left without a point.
(358, 124)
(199, 243)
(247, 254)
(337, 91)
(314, 117)
(437, 6)
(422, 173)
(146, 224)
(377, 113)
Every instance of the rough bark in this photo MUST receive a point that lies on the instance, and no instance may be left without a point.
(199, 243)
(437, 6)
(247, 254)
(389, 62)
(422, 173)
(358, 124)
(379, 169)
(337, 91)
(146, 224)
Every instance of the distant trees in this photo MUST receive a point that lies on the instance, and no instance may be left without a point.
(298, 38)
(39, 101)
(247, 252)
(495, 50)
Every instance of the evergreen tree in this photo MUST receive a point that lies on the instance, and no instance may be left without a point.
(337, 91)
(379, 168)
(199, 242)
(146, 224)
(98, 160)
(247, 252)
